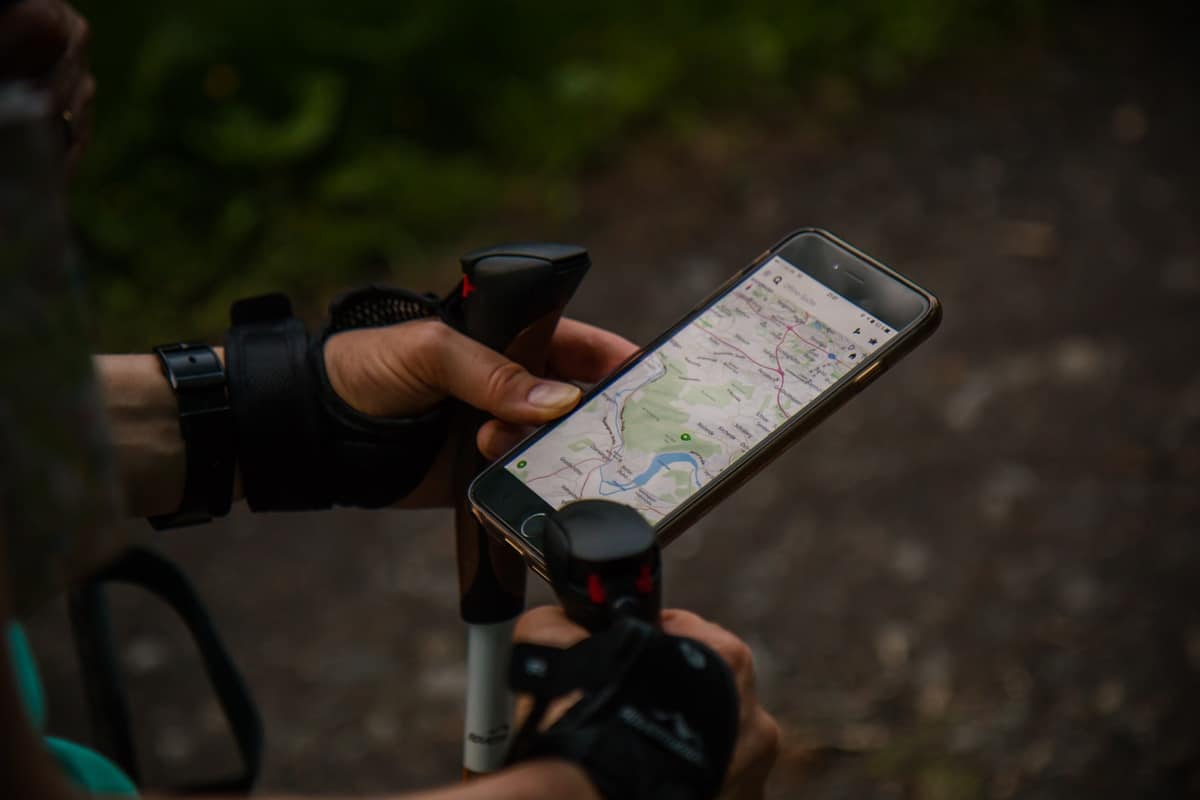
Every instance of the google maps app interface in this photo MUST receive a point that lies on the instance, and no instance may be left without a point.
(706, 397)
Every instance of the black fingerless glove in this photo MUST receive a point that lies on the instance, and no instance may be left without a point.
(299, 445)
(658, 718)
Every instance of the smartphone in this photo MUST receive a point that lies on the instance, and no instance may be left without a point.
(718, 396)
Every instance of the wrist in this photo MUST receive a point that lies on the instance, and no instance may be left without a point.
(144, 422)
(143, 415)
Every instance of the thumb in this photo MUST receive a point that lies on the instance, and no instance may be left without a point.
(487, 380)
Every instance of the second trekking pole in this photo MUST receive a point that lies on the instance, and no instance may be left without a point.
(511, 298)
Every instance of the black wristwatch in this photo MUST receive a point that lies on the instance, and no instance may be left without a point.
(198, 378)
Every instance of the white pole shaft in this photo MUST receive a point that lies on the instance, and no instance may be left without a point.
(489, 701)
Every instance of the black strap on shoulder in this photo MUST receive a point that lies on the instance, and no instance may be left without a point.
(104, 685)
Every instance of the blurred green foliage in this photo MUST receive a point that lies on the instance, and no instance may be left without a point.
(247, 146)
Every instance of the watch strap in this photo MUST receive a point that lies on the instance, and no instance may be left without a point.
(197, 377)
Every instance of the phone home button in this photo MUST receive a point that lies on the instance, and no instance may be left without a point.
(534, 526)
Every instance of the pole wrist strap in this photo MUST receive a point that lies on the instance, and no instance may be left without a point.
(658, 717)
(300, 446)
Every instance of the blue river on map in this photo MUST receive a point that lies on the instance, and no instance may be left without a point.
(660, 461)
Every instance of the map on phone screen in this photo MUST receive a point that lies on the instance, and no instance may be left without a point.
(688, 410)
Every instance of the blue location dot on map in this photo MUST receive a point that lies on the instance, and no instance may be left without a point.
(833, 355)
(521, 464)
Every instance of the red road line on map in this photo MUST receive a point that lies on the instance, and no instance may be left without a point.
(588, 477)
(791, 330)
(778, 369)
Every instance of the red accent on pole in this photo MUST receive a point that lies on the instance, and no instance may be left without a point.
(468, 287)
(645, 581)
(596, 592)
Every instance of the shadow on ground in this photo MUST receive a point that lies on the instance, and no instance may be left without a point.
(975, 581)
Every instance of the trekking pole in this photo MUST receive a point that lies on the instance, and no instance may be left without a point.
(511, 300)
(604, 562)
(651, 715)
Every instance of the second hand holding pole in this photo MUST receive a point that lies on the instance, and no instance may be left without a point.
(512, 297)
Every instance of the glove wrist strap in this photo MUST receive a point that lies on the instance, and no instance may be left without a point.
(300, 446)
(657, 719)
(276, 416)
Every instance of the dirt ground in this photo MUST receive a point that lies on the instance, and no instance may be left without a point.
(976, 581)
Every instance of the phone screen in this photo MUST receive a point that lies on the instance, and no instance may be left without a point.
(687, 411)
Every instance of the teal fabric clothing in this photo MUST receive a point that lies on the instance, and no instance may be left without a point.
(87, 769)
(90, 771)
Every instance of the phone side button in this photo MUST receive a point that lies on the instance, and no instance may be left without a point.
(867, 375)
(516, 548)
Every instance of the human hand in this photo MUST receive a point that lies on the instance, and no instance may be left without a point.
(758, 734)
(405, 370)
(46, 43)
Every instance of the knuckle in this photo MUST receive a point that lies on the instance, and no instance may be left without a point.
(502, 379)
(771, 735)
(680, 622)
(425, 340)
(427, 335)
(737, 654)
(535, 620)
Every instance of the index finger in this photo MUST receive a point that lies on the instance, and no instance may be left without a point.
(582, 352)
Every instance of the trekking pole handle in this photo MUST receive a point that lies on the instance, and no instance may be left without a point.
(604, 562)
(512, 297)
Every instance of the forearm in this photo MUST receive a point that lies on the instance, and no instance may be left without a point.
(535, 780)
(144, 422)
(143, 416)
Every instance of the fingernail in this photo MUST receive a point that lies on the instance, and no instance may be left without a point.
(551, 394)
